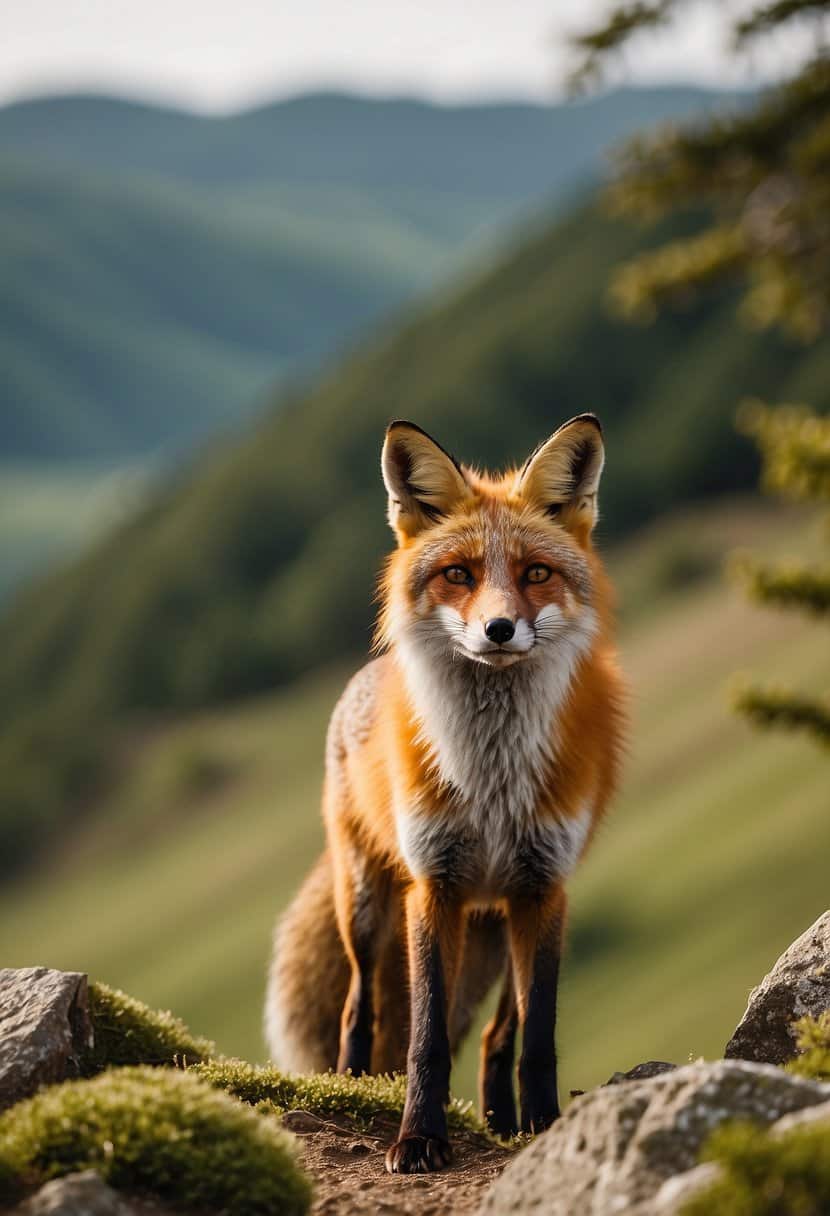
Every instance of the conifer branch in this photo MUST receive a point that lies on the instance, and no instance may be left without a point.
(780, 708)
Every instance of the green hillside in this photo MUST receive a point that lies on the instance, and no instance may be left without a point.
(139, 317)
(161, 269)
(258, 564)
(713, 861)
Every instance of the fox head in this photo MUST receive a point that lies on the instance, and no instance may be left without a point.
(493, 570)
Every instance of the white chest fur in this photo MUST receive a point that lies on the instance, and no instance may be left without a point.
(492, 738)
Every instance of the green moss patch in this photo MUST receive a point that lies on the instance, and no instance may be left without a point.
(324, 1094)
(814, 1043)
(128, 1032)
(158, 1132)
(767, 1175)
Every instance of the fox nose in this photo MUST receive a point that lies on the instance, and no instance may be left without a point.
(499, 630)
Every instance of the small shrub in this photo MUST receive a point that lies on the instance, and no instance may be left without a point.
(325, 1094)
(158, 1132)
(814, 1043)
(767, 1175)
(128, 1032)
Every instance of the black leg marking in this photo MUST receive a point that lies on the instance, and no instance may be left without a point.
(422, 1144)
(537, 1065)
(498, 1048)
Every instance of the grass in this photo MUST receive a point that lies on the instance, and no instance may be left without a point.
(158, 1132)
(325, 1094)
(712, 862)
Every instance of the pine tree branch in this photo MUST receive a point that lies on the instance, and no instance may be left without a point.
(722, 160)
(770, 16)
(779, 708)
(622, 23)
(677, 271)
(795, 445)
(790, 585)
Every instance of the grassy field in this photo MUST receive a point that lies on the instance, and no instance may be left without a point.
(714, 859)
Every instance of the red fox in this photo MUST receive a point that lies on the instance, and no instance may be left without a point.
(467, 769)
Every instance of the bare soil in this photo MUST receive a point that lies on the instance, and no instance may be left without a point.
(349, 1175)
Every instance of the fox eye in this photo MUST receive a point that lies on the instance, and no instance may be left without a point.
(458, 574)
(538, 573)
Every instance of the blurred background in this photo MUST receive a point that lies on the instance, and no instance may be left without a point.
(234, 242)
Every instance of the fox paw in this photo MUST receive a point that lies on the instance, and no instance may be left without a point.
(418, 1155)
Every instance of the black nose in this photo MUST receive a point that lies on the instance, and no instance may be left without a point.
(499, 630)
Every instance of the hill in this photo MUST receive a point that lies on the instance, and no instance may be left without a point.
(161, 268)
(511, 151)
(171, 888)
(140, 317)
(257, 564)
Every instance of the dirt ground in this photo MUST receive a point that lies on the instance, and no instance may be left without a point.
(350, 1177)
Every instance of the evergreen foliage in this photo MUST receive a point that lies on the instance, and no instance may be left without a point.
(761, 172)
(158, 1132)
(795, 448)
(762, 176)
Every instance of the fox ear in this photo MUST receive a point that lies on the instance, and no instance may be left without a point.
(562, 476)
(423, 481)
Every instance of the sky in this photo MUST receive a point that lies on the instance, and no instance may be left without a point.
(217, 57)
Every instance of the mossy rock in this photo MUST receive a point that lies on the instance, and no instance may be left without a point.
(128, 1032)
(324, 1094)
(767, 1175)
(156, 1132)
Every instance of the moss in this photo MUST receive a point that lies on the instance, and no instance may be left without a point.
(128, 1032)
(158, 1132)
(325, 1094)
(767, 1175)
(814, 1043)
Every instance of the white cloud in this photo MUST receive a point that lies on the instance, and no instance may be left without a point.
(218, 56)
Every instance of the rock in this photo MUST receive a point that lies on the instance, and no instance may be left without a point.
(44, 1029)
(641, 1072)
(302, 1121)
(614, 1148)
(85, 1194)
(809, 1117)
(798, 984)
(676, 1191)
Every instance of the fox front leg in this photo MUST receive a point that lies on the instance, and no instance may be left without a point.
(433, 933)
(536, 930)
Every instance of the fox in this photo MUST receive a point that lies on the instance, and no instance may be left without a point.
(468, 767)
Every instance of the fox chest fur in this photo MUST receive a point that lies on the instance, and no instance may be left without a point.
(499, 824)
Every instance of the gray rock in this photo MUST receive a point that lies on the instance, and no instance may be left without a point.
(677, 1191)
(44, 1029)
(85, 1194)
(798, 984)
(811, 1116)
(615, 1147)
(641, 1072)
